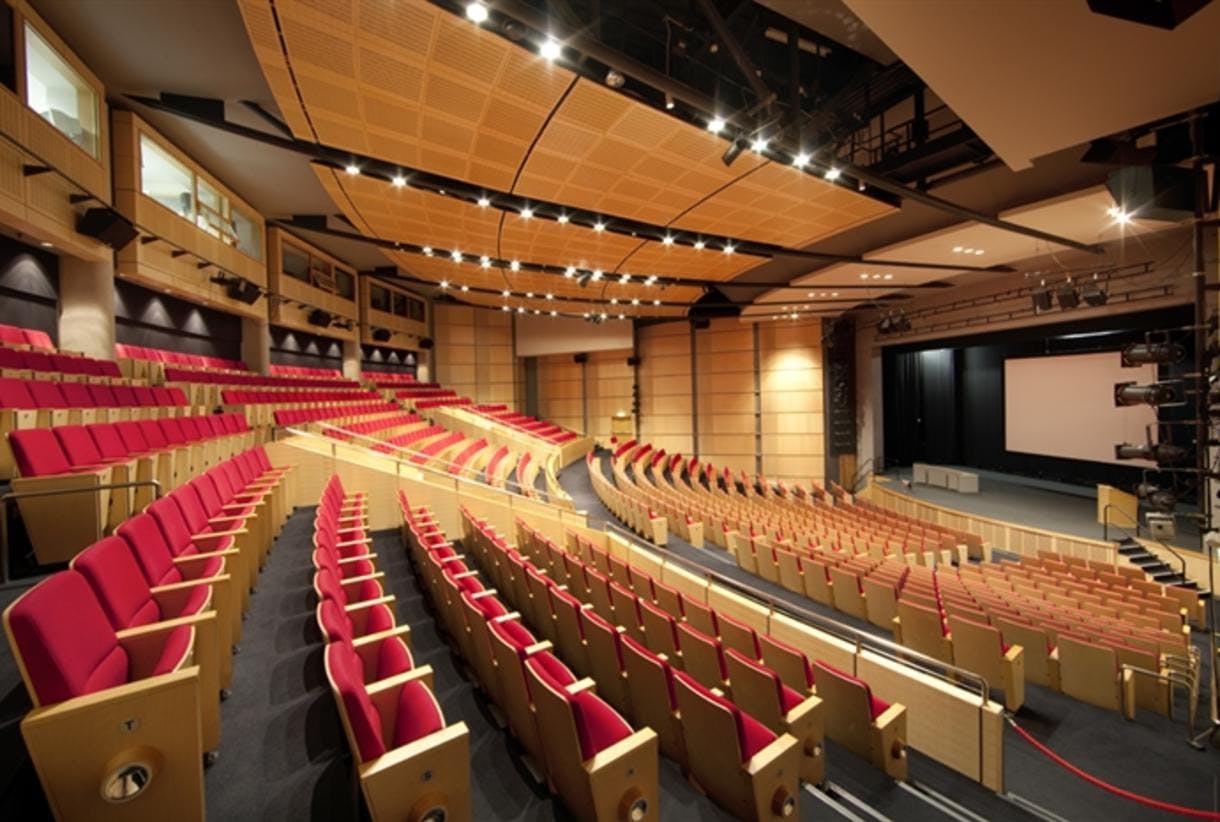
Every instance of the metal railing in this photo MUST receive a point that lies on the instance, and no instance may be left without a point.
(5, 579)
(1105, 532)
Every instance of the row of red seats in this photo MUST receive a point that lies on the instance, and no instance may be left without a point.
(241, 397)
(304, 371)
(412, 764)
(12, 359)
(443, 402)
(126, 654)
(601, 768)
(435, 447)
(463, 458)
(392, 378)
(297, 416)
(411, 437)
(214, 378)
(421, 393)
(540, 429)
(12, 335)
(139, 352)
(15, 393)
(373, 426)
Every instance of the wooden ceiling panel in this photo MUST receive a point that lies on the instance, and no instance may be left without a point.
(685, 262)
(406, 27)
(782, 205)
(542, 241)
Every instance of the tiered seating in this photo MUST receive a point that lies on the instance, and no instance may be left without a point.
(599, 766)
(67, 475)
(439, 402)
(304, 371)
(391, 379)
(332, 414)
(126, 654)
(539, 429)
(467, 462)
(160, 355)
(439, 450)
(498, 467)
(40, 403)
(18, 363)
(410, 763)
(14, 336)
(259, 406)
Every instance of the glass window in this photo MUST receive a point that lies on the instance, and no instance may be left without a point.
(165, 179)
(59, 94)
(400, 304)
(295, 263)
(345, 284)
(415, 310)
(213, 212)
(246, 229)
(379, 298)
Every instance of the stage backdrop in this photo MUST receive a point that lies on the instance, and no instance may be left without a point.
(946, 401)
(1064, 407)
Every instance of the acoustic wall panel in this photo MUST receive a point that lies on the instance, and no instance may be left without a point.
(792, 419)
(474, 353)
(561, 391)
(725, 401)
(665, 387)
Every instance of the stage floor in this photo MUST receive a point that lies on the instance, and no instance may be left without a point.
(1069, 509)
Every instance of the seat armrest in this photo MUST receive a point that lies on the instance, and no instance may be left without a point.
(585, 684)
(357, 558)
(145, 643)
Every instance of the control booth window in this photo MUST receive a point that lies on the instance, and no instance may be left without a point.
(213, 213)
(400, 304)
(295, 263)
(415, 310)
(379, 298)
(59, 94)
(166, 180)
(345, 283)
(246, 231)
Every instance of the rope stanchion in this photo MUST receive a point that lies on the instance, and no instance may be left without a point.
(1147, 801)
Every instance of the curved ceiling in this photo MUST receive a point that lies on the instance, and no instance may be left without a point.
(409, 83)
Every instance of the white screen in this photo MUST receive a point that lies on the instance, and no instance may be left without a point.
(541, 335)
(1064, 407)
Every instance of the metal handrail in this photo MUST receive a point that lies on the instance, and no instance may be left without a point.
(5, 580)
(891, 650)
(1185, 680)
(1105, 532)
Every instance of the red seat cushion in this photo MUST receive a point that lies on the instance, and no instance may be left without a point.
(418, 714)
(598, 726)
(393, 658)
(789, 698)
(753, 734)
(177, 646)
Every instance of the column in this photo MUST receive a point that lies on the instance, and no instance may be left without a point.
(86, 306)
(256, 344)
(351, 359)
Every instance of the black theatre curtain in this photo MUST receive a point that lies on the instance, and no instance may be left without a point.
(921, 407)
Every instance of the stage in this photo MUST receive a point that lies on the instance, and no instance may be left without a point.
(1054, 506)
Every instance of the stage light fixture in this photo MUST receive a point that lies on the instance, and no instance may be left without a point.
(399, 181)
(476, 12)
(716, 125)
(514, 265)
(485, 261)
(832, 174)
(1068, 296)
(550, 50)
(729, 248)
(669, 102)
(1094, 294)
(1129, 393)
(562, 219)
(1160, 452)
(484, 202)
(352, 169)
(902, 323)
(456, 255)
(527, 213)
(615, 79)
(1153, 353)
(699, 244)
(732, 152)
(1041, 298)
(599, 226)
(427, 250)
(759, 145)
(885, 325)
(801, 160)
(465, 288)
(667, 240)
(569, 272)
(596, 275)
(1158, 498)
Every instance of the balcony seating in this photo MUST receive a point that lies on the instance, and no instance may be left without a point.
(14, 336)
(120, 722)
(144, 363)
(15, 363)
(333, 414)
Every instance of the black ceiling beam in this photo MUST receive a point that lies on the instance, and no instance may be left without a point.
(268, 118)
(765, 97)
(529, 16)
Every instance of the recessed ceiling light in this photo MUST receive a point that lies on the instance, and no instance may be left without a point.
(810, 294)
(456, 255)
(476, 12)
(465, 288)
(801, 160)
(635, 301)
(832, 174)
(957, 249)
(614, 301)
(656, 302)
(759, 145)
(526, 213)
(554, 313)
(352, 169)
(427, 251)
(515, 265)
(562, 218)
(599, 226)
(504, 308)
(550, 296)
(485, 261)
(876, 276)
(520, 309)
(399, 181)
(699, 245)
(667, 240)
(506, 293)
(529, 295)
(889, 276)
(864, 276)
(729, 248)
(537, 311)
(978, 251)
(570, 272)
(597, 274)
(444, 283)
(484, 202)
(716, 125)
(550, 50)
(834, 293)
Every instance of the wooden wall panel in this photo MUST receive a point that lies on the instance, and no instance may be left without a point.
(561, 391)
(474, 353)
(665, 379)
(790, 379)
(724, 372)
(609, 386)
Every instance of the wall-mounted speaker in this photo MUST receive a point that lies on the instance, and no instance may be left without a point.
(633, 361)
(580, 358)
(319, 317)
(700, 325)
(107, 225)
(381, 334)
(1154, 192)
(243, 291)
(425, 343)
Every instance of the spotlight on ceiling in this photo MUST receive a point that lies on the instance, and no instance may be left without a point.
(1068, 296)
(885, 325)
(615, 79)
(801, 160)
(669, 102)
(902, 323)
(759, 145)
(352, 169)
(476, 12)
(716, 125)
(832, 174)
(583, 280)
(733, 152)
(1153, 353)
(399, 181)
(1094, 294)
(550, 50)
(1160, 452)
(1158, 498)
(1041, 298)
(1129, 393)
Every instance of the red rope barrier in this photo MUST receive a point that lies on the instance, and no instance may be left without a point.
(1106, 786)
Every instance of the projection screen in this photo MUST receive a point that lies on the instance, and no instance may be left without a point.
(1064, 407)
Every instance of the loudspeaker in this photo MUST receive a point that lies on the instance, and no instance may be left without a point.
(243, 291)
(381, 335)
(1154, 192)
(633, 361)
(1164, 14)
(712, 304)
(319, 317)
(700, 324)
(580, 358)
(107, 225)
(425, 343)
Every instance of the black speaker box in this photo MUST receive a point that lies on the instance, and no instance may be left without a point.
(425, 343)
(319, 317)
(700, 324)
(381, 334)
(580, 358)
(633, 361)
(243, 291)
(1154, 192)
(1164, 14)
(107, 225)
